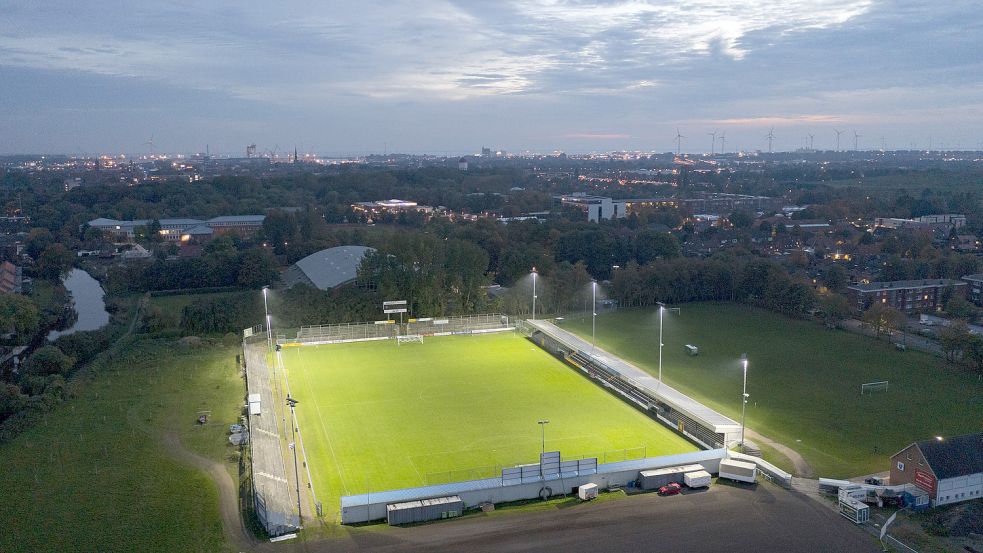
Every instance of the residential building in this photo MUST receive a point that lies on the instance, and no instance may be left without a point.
(974, 289)
(950, 470)
(908, 296)
(11, 278)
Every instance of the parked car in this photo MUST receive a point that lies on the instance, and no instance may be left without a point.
(672, 488)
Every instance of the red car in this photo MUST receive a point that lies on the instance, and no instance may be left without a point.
(672, 488)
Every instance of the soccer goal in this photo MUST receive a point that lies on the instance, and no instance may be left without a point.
(405, 338)
(872, 387)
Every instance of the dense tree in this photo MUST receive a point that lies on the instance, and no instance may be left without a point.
(835, 278)
(882, 318)
(18, 314)
(48, 360)
(955, 339)
(55, 262)
(651, 245)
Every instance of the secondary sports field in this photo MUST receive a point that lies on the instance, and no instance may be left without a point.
(803, 380)
(377, 416)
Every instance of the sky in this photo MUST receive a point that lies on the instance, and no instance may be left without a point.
(446, 76)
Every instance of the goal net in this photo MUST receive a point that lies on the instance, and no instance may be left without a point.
(873, 387)
(400, 340)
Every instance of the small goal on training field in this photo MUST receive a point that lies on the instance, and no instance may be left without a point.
(872, 387)
(406, 338)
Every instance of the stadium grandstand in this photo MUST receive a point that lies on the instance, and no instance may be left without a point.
(326, 269)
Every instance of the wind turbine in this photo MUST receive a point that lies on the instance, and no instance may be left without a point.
(770, 136)
(856, 140)
(838, 133)
(679, 138)
(713, 141)
(723, 141)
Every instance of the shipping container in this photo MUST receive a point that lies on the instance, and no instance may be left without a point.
(738, 470)
(655, 479)
(254, 408)
(424, 510)
(697, 479)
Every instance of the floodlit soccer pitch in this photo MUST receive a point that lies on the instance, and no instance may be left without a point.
(803, 380)
(375, 416)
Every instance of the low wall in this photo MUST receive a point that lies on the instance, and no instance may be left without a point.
(372, 506)
(778, 475)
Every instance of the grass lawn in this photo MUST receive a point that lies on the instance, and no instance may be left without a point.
(376, 416)
(94, 475)
(803, 381)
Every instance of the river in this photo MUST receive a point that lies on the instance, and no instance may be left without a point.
(88, 302)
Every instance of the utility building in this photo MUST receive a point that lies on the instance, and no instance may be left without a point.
(950, 470)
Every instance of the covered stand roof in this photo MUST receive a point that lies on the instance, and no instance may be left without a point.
(328, 268)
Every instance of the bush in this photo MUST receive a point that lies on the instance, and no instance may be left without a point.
(48, 360)
(85, 345)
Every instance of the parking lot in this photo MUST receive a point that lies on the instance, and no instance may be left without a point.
(722, 518)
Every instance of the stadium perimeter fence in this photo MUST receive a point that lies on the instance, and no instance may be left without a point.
(386, 330)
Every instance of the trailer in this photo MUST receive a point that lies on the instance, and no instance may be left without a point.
(691, 349)
(697, 479)
(655, 479)
(738, 470)
(254, 408)
(853, 509)
(424, 509)
(587, 492)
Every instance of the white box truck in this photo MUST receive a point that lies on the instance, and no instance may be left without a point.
(697, 479)
(587, 492)
(738, 470)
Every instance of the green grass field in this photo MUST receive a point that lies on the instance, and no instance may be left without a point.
(803, 380)
(95, 475)
(377, 416)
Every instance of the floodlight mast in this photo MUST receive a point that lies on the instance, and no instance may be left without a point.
(534, 273)
(269, 333)
(743, 397)
(593, 316)
(662, 311)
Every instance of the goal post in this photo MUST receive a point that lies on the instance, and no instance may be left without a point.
(872, 387)
(409, 338)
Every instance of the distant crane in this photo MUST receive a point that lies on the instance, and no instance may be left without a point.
(151, 144)
(713, 141)
(838, 133)
(856, 140)
(770, 136)
(723, 141)
(679, 141)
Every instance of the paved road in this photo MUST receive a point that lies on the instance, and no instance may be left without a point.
(723, 518)
(910, 340)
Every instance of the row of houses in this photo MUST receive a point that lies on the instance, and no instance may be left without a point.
(181, 229)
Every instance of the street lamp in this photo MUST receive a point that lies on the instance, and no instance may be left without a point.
(534, 273)
(593, 314)
(743, 397)
(542, 424)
